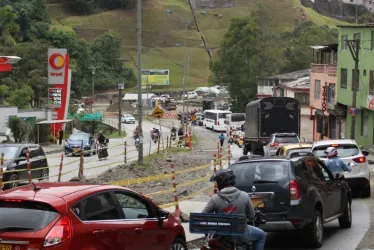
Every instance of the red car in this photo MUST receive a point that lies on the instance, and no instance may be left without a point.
(78, 216)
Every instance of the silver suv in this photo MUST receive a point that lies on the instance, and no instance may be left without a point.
(277, 140)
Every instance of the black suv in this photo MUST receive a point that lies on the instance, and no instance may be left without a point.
(15, 159)
(306, 194)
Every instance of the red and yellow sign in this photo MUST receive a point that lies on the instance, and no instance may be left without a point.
(57, 61)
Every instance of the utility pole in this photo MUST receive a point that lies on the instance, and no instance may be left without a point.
(274, 93)
(121, 86)
(140, 101)
(354, 47)
(93, 71)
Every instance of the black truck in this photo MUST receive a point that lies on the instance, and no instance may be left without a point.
(267, 116)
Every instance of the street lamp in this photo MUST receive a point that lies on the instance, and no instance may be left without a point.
(93, 72)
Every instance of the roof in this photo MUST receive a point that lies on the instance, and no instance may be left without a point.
(325, 48)
(54, 122)
(292, 75)
(134, 97)
(364, 25)
(328, 142)
(301, 83)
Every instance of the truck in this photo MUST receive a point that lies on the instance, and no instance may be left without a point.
(267, 116)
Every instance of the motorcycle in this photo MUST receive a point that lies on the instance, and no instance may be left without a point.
(154, 135)
(231, 140)
(137, 142)
(173, 135)
(223, 230)
(102, 149)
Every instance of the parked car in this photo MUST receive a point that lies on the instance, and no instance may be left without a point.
(15, 164)
(306, 194)
(277, 140)
(288, 149)
(199, 119)
(165, 97)
(127, 118)
(348, 151)
(83, 216)
(190, 95)
(76, 141)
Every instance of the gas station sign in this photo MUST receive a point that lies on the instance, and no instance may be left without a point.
(54, 98)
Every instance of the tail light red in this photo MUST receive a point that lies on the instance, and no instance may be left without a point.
(294, 190)
(60, 232)
(274, 144)
(360, 159)
(218, 123)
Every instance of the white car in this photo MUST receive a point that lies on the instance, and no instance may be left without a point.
(163, 98)
(126, 118)
(191, 95)
(349, 152)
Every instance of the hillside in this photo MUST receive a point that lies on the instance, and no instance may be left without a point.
(163, 31)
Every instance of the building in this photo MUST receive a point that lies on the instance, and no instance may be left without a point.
(299, 89)
(133, 98)
(265, 85)
(364, 126)
(327, 115)
(367, 4)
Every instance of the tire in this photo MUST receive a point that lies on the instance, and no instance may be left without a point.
(245, 151)
(178, 244)
(366, 192)
(346, 220)
(44, 175)
(314, 231)
(12, 177)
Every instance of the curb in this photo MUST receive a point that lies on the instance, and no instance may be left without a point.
(54, 151)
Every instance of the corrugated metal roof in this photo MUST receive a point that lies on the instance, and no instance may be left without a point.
(134, 97)
(301, 83)
(292, 75)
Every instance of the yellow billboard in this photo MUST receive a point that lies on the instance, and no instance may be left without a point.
(155, 77)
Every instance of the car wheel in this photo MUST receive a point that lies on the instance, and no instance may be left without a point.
(314, 231)
(346, 220)
(178, 244)
(366, 192)
(15, 178)
(44, 175)
(245, 151)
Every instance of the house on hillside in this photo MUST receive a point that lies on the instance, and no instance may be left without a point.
(265, 85)
(328, 116)
(133, 98)
(367, 4)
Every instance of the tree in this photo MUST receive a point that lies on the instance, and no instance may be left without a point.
(8, 26)
(3, 92)
(21, 97)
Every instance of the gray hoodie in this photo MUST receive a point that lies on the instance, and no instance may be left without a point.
(230, 200)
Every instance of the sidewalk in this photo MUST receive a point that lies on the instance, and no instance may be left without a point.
(53, 148)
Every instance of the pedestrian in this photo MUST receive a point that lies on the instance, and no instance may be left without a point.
(60, 136)
(222, 138)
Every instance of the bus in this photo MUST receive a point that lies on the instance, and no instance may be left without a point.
(235, 121)
(215, 119)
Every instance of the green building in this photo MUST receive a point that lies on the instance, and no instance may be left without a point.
(364, 131)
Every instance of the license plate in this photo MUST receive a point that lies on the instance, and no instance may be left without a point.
(5, 247)
(255, 202)
(74, 150)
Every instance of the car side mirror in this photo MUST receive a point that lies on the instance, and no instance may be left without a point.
(162, 216)
(366, 153)
(339, 177)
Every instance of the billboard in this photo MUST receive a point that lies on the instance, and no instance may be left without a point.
(57, 66)
(155, 77)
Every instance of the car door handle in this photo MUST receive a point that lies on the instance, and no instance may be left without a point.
(99, 231)
(138, 230)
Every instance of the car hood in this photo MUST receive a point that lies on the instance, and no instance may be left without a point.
(76, 142)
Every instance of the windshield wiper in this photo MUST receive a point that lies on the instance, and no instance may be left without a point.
(15, 229)
(263, 181)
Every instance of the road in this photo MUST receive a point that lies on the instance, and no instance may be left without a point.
(335, 238)
(94, 167)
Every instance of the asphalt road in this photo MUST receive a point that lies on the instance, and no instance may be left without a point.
(335, 238)
(93, 166)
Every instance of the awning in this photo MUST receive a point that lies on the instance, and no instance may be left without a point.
(54, 122)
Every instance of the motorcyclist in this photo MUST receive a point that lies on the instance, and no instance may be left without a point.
(230, 200)
(222, 138)
(180, 136)
(335, 164)
(136, 132)
(102, 140)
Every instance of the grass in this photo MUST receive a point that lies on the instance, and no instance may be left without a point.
(163, 33)
(147, 160)
(115, 134)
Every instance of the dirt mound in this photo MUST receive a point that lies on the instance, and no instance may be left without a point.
(126, 106)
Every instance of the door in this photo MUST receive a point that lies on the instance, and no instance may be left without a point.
(36, 162)
(21, 164)
(103, 222)
(144, 228)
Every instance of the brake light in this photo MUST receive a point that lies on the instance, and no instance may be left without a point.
(294, 190)
(360, 159)
(60, 232)
(274, 144)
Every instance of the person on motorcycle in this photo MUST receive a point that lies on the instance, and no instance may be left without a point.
(136, 132)
(230, 200)
(180, 137)
(222, 138)
(102, 140)
(335, 164)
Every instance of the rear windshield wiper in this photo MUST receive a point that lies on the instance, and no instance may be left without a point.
(15, 229)
(263, 181)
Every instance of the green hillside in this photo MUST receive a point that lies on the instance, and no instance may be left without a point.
(163, 32)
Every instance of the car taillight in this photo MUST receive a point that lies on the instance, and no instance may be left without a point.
(274, 144)
(218, 123)
(360, 159)
(60, 232)
(294, 190)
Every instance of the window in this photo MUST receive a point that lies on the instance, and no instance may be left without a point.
(344, 45)
(331, 93)
(326, 173)
(344, 150)
(364, 123)
(317, 89)
(372, 40)
(132, 207)
(303, 98)
(314, 170)
(356, 36)
(100, 207)
(9, 152)
(371, 82)
(343, 78)
(353, 79)
(286, 139)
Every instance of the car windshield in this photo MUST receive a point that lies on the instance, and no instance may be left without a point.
(222, 115)
(25, 216)
(286, 139)
(9, 152)
(129, 116)
(344, 150)
(298, 150)
(78, 137)
(271, 171)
